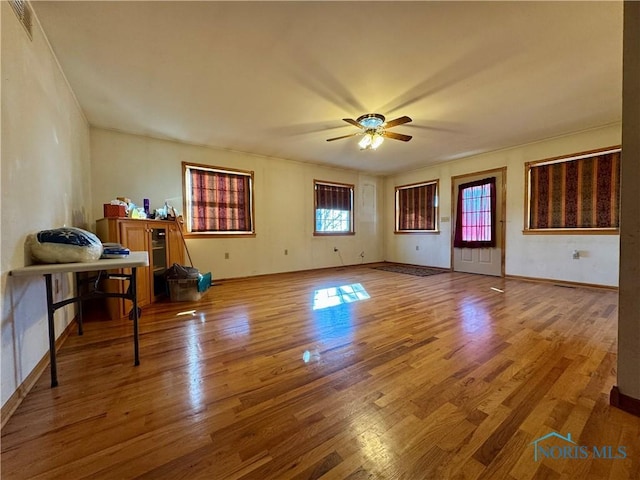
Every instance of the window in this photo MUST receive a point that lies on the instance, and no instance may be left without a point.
(333, 208)
(577, 194)
(218, 200)
(476, 215)
(417, 207)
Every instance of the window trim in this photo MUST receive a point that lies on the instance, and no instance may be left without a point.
(527, 195)
(186, 166)
(436, 230)
(352, 216)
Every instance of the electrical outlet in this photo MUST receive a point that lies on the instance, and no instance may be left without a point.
(226, 255)
(576, 254)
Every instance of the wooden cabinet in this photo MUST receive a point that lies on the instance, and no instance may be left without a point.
(162, 242)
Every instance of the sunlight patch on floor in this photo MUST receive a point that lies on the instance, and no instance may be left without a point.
(333, 296)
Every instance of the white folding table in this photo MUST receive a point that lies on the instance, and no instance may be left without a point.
(133, 260)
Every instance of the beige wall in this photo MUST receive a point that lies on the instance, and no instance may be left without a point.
(45, 184)
(541, 256)
(141, 167)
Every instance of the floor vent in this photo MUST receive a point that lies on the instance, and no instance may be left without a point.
(23, 11)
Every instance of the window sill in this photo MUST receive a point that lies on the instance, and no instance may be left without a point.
(332, 234)
(572, 231)
(219, 235)
(416, 232)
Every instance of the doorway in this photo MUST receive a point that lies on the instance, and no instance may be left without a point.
(480, 228)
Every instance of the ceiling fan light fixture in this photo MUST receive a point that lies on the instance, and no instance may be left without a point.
(377, 141)
(366, 141)
(373, 129)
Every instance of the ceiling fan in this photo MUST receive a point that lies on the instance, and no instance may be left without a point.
(374, 129)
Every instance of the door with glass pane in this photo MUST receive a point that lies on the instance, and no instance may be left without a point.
(477, 220)
(159, 261)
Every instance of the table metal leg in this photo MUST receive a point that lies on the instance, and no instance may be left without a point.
(52, 331)
(80, 326)
(134, 293)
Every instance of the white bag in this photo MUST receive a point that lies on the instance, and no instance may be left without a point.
(64, 245)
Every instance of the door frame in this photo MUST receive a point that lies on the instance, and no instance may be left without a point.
(503, 202)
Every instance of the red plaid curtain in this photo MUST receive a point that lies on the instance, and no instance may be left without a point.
(417, 209)
(333, 197)
(219, 201)
(582, 193)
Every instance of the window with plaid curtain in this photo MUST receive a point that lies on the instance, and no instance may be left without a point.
(575, 193)
(333, 208)
(416, 207)
(218, 200)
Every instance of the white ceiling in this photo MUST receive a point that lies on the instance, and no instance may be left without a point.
(276, 78)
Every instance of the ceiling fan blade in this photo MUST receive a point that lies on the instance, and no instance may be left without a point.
(344, 136)
(397, 121)
(352, 122)
(397, 136)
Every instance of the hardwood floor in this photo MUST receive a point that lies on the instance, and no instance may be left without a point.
(436, 377)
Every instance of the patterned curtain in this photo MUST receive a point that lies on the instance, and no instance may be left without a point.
(220, 202)
(417, 210)
(476, 215)
(581, 193)
(333, 197)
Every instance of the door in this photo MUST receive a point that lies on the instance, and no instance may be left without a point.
(134, 235)
(479, 226)
(175, 245)
(158, 260)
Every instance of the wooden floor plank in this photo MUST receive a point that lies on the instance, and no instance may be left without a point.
(431, 377)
